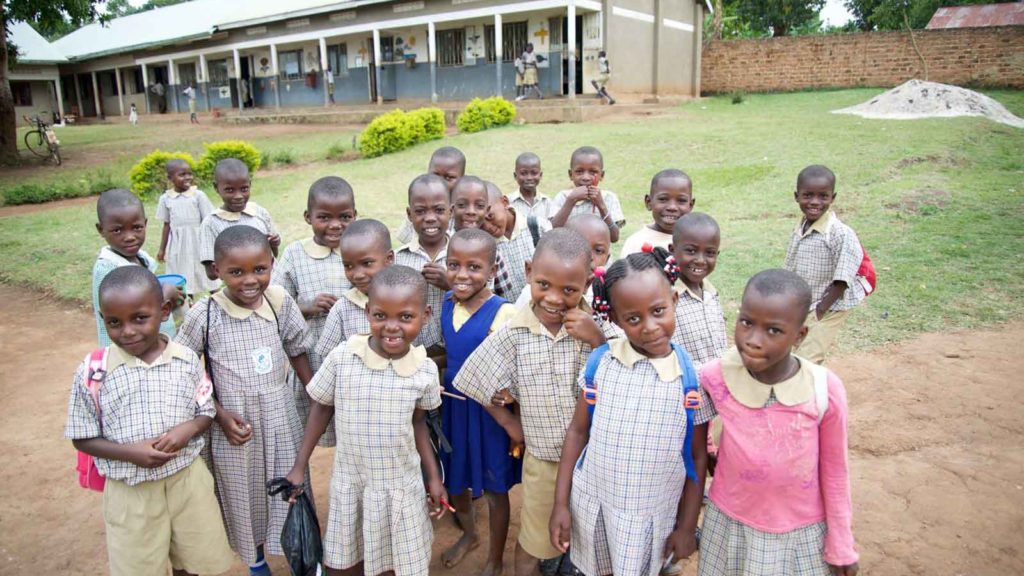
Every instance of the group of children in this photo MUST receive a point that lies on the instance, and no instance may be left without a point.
(589, 382)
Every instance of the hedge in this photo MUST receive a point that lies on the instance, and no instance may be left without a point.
(397, 130)
(217, 151)
(149, 176)
(483, 114)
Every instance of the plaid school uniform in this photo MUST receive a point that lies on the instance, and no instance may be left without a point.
(185, 211)
(626, 489)
(700, 324)
(541, 207)
(515, 253)
(828, 251)
(414, 256)
(252, 215)
(248, 356)
(346, 319)
(611, 202)
(106, 261)
(378, 512)
(304, 270)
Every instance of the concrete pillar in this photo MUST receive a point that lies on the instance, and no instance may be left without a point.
(145, 87)
(277, 76)
(204, 79)
(172, 83)
(498, 37)
(656, 38)
(78, 96)
(238, 77)
(698, 42)
(120, 90)
(376, 64)
(323, 69)
(432, 58)
(60, 97)
(571, 49)
(96, 95)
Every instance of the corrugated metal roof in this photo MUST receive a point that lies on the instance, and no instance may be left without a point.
(33, 48)
(978, 16)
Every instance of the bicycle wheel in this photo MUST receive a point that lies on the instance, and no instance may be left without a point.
(55, 153)
(37, 144)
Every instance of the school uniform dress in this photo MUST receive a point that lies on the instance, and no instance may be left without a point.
(252, 215)
(346, 319)
(646, 235)
(378, 513)
(248, 355)
(540, 209)
(780, 502)
(414, 256)
(700, 324)
(185, 212)
(106, 261)
(304, 270)
(611, 202)
(627, 484)
(515, 253)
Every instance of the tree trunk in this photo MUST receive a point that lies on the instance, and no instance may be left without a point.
(716, 21)
(8, 121)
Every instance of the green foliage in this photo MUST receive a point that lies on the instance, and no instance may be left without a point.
(397, 130)
(285, 156)
(888, 14)
(432, 120)
(265, 159)
(149, 176)
(37, 194)
(217, 151)
(483, 114)
(336, 151)
(777, 16)
(737, 97)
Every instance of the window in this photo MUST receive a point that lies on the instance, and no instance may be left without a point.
(22, 93)
(218, 70)
(513, 41)
(291, 64)
(337, 59)
(135, 82)
(387, 49)
(450, 46)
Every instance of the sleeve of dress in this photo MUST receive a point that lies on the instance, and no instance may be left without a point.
(293, 328)
(270, 223)
(334, 330)
(846, 255)
(192, 332)
(834, 477)
(205, 207)
(611, 202)
(321, 388)
(162, 212)
(206, 239)
(82, 423)
(491, 367)
(707, 411)
(204, 403)
(432, 391)
(284, 272)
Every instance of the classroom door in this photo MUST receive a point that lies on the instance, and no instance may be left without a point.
(578, 63)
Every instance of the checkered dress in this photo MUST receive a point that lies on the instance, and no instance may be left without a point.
(345, 320)
(378, 512)
(625, 493)
(214, 224)
(249, 360)
(140, 403)
(821, 258)
(515, 253)
(416, 258)
(303, 277)
(700, 326)
(185, 214)
(611, 202)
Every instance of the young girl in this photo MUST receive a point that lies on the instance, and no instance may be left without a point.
(182, 210)
(629, 502)
(780, 503)
(133, 115)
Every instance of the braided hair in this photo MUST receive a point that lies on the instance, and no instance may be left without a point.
(651, 257)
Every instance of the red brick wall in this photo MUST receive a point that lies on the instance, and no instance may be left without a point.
(976, 56)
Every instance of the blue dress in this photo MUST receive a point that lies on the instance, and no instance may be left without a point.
(479, 459)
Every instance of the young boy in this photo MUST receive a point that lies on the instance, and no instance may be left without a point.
(527, 201)
(145, 429)
(700, 322)
(595, 232)
(537, 357)
(249, 333)
(232, 183)
(586, 170)
(312, 272)
(121, 221)
(182, 210)
(671, 197)
(515, 244)
(450, 164)
(365, 251)
(826, 253)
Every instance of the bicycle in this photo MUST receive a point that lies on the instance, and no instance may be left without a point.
(42, 140)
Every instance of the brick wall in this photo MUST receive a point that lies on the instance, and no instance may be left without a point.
(977, 56)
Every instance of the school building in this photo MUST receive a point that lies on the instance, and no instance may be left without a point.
(240, 54)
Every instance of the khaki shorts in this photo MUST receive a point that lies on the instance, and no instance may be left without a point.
(821, 335)
(176, 519)
(538, 502)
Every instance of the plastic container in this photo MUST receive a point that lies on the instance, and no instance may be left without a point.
(176, 279)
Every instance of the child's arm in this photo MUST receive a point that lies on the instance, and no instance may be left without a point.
(164, 236)
(576, 438)
(606, 214)
(178, 437)
(834, 476)
(509, 421)
(302, 368)
(144, 454)
(834, 292)
(319, 417)
(565, 210)
(293, 337)
(435, 487)
(582, 327)
(682, 542)
(847, 255)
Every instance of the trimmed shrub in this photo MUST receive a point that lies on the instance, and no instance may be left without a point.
(483, 114)
(432, 120)
(149, 176)
(502, 111)
(36, 194)
(389, 132)
(473, 118)
(217, 151)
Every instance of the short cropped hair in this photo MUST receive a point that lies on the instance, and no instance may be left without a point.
(400, 276)
(368, 229)
(230, 168)
(493, 192)
(693, 221)
(815, 172)
(449, 153)
(667, 174)
(527, 158)
(777, 281)
(116, 198)
(427, 180)
(174, 164)
(131, 277)
(467, 181)
(330, 187)
(565, 243)
(478, 235)
(238, 236)
(586, 151)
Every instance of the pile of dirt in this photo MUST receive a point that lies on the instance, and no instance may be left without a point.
(918, 99)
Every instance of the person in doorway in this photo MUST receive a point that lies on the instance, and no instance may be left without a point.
(160, 92)
(190, 93)
(604, 71)
(529, 60)
(330, 84)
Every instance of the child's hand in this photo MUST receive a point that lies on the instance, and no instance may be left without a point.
(848, 570)
(436, 275)
(502, 398)
(680, 544)
(819, 311)
(597, 198)
(578, 194)
(146, 455)
(582, 327)
(173, 294)
(515, 435)
(160, 256)
(324, 302)
(237, 430)
(176, 438)
(297, 477)
(560, 528)
(437, 496)
(274, 239)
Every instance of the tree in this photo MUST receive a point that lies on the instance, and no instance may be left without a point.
(46, 15)
(778, 16)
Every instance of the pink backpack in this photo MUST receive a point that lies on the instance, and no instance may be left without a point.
(88, 475)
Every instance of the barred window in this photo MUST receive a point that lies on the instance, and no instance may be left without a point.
(218, 70)
(22, 92)
(450, 46)
(513, 41)
(291, 64)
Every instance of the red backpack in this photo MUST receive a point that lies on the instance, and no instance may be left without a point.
(88, 475)
(866, 273)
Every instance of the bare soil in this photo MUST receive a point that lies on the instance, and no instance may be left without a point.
(936, 453)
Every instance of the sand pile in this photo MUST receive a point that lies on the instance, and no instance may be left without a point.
(918, 99)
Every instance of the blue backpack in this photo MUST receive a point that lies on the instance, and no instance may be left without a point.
(691, 398)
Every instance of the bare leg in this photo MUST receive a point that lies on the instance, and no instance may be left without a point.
(499, 508)
(464, 515)
(526, 564)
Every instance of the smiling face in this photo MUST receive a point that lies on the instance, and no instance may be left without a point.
(815, 197)
(450, 169)
(363, 258)
(469, 269)
(132, 316)
(668, 201)
(695, 249)
(429, 212)
(497, 217)
(329, 216)
(397, 314)
(233, 191)
(643, 305)
(596, 232)
(245, 271)
(180, 177)
(469, 204)
(556, 286)
(528, 175)
(767, 329)
(586, 170)
(124, 229)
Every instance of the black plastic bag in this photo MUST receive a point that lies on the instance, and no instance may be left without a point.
(438, 442)
(300, 538)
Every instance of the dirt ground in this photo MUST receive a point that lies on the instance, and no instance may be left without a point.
(936, 452)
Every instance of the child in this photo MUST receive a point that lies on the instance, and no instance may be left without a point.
(121, 221)
(365, 251)
(527, 201)
(784, 418)
(133, 115)
(379, 388)
(594, 231)
(700, 322)
(183, 209)
(586, 169)
(145, 428)
(249, 332)
(604, 72)
(826, 253)
(537, 357)
(190, 93)
(515, 244)
(312, 272)
(450, 164)
(479, 462)
(634, 499)
(232, 183)
(529, 60)
(428, 211)
(671, 197)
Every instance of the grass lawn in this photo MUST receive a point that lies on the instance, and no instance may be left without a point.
(939, 204)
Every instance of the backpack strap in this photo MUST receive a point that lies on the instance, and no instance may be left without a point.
(820, 374)
(531, 223)
(96, 373)
(691, 402)
(590, 390)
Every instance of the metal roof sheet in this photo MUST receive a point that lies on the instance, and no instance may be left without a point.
(978, 16)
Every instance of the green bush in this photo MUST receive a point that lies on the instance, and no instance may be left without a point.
(285, 156)
(432, 120)
(217, 151)
(483, 114)
(149, 176)
(389, 132)
(502, 111)
(35, 194)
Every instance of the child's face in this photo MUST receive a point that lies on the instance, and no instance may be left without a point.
(429, 213)
(234, 192)
(469, 205)
(815, 196)
(643, 305)
(448, 168)
(670, 200)
(469, 268)
(767, 329)
(132, 316)
(695, 249)
(528, 175)
(397, 314)
(597, 235)
(124, 229)
(245, 271)
(497, 217)
(556, 286)
(181, 178)
(586, 170)
(329, 216)
(363, 258)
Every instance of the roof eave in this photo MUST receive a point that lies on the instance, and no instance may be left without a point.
(146, 46)
(298, 14)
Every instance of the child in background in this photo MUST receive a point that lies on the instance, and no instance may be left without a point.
(536, 357)
(378, 387)
(158, 500)
(604, 72)
(249, 332)
(586, 170)
(671, 197)
(121, 221)
(629, 502)
(312, 272)
(479, 463)
(827, 254)
(183, 209)
(450, 164)
(232, 183)
(133, 115)
(515, 244)
(786, 418)
(365, 251)
(527, 201)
